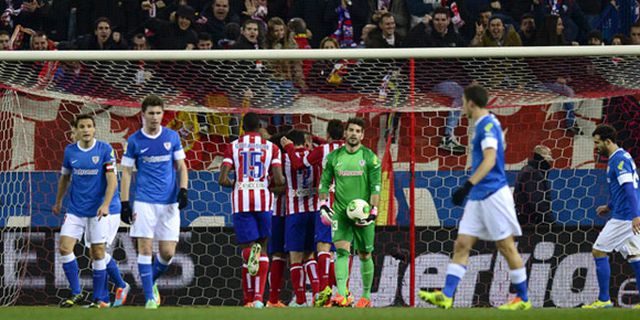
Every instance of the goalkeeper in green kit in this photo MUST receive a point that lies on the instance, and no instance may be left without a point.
(356, 172)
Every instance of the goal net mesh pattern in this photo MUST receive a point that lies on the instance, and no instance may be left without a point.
(555, 102)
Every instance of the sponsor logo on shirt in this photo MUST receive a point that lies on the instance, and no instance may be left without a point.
(252, 185)
(154, 159)
(85, 172)
(350, 173)
(144, 150)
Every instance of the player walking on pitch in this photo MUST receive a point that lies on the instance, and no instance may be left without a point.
(161, 190)
(621, 231)
(356, 170)
(490, 212)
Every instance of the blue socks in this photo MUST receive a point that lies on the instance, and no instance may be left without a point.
(603, 272)
(100, 292)
(71, 270)
(160, 266)
(519, 282)
(146, 275)
(635, 264)
(455, 272)
(114, 272)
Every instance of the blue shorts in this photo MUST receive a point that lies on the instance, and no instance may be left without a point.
(276, 241)
(299, 232)
(251, 226)
(323, 232)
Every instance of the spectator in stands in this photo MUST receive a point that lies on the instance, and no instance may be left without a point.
(102, 38)
(552, 32)
(595, 38)
(360, 12)
(385, 36)
(287, 74)
(620, 40)
(436, 32)
(257, 10)
(218, 15)
(39, 42)
(204, 41)
(314, 13)
(634, 33)
(231, 34)
(139, 42)
(365, 34)
(498, 35)
(479, 24)
(532, 191)
(527, 30)
(5, 39)
(576, 26)
(175, 34)
(250, 37)
(418, 9)
(398, 9)
(329, 43)
(300, 33)
(329, 75)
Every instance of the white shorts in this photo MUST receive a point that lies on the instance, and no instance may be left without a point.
(618, 235)
(491, 219)
(155, 221)
(113, 222)
(95, 230)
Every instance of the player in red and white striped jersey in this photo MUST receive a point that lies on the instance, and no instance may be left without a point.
(301, 201)
(276, 241)
(253, 158)
(316, 158)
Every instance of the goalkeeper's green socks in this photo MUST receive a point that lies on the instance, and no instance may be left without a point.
(366, 271)
(342, 270)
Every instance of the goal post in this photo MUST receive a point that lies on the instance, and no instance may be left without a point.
(410, 100)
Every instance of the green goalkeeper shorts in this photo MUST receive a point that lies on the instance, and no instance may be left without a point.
(344, 229)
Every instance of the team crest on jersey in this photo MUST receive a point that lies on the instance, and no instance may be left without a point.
(95, 159)
(362, 163)
(167, 145)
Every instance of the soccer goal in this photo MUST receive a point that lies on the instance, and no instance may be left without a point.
(410, 100)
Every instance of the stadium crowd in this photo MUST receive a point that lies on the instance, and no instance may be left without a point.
(223, 24)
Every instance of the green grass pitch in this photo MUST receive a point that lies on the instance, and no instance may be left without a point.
(216, 313)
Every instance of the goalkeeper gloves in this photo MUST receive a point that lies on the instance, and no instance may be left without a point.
(373, 214)
(326, 214)
(461, 193)
(125, 212)
(182, 198)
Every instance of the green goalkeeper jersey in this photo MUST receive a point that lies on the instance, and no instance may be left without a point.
(357, 176)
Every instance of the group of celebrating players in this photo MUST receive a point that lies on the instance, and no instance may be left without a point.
(290, 201)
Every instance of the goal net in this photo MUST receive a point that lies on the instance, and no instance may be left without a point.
(410, 100)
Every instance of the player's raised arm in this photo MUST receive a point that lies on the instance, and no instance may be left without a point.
(276, 168)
